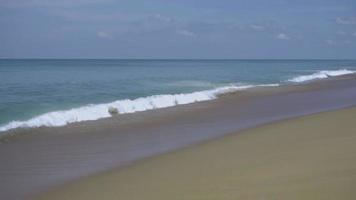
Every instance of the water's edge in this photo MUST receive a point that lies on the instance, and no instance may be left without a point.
(43, 158)
(99, 111)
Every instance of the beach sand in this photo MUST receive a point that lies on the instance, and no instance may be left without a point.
(34, 161)
(311, 157)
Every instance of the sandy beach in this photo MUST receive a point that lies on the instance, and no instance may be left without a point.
(35, 161)
(177, 100)
(311, 157)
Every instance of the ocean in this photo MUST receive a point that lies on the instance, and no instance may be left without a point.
(55, 92)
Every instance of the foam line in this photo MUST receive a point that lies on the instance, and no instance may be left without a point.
(98, 111)
(320, 75)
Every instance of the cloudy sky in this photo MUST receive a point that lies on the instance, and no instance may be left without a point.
(177, 29)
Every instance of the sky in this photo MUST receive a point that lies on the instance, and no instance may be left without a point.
(233, 29)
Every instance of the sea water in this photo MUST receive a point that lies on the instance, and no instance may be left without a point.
(52, 92)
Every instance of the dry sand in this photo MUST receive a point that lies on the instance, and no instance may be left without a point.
(312, 157)
(36, 160)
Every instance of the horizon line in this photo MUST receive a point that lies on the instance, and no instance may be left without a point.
(177, 58)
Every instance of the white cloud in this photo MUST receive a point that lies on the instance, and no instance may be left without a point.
(346, 20)
(340, 32)
(72, 15)
(282, 36)
(333, 42)
(162, 18)
(104, 35)
(257, 27)
(186, 33)
(354, 34)
(330, 42)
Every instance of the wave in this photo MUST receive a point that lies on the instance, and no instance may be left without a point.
(99, 111)
(192, 83)
(320, 75)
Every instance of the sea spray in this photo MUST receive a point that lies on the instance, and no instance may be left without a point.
(98, 111)
(320, 75)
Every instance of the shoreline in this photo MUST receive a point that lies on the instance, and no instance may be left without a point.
(308, 157)
(263, 89)
(41, 158)
(92, 112)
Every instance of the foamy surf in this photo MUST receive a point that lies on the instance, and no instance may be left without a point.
(321, 75)
(99, 111)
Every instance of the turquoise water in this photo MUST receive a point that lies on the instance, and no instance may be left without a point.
(29, 88)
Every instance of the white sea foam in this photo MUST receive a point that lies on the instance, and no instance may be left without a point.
(320, 75)
(98, 111)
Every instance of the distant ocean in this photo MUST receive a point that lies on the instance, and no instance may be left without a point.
(54, 92)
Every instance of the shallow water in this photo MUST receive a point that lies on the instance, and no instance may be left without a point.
(31, 88)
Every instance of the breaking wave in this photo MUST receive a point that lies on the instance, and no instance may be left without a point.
(98, 111)
(320, 75)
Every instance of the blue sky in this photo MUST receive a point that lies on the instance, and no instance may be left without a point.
(178, 29)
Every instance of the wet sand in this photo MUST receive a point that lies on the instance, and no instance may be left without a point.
(311, 157)
(36, 160)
